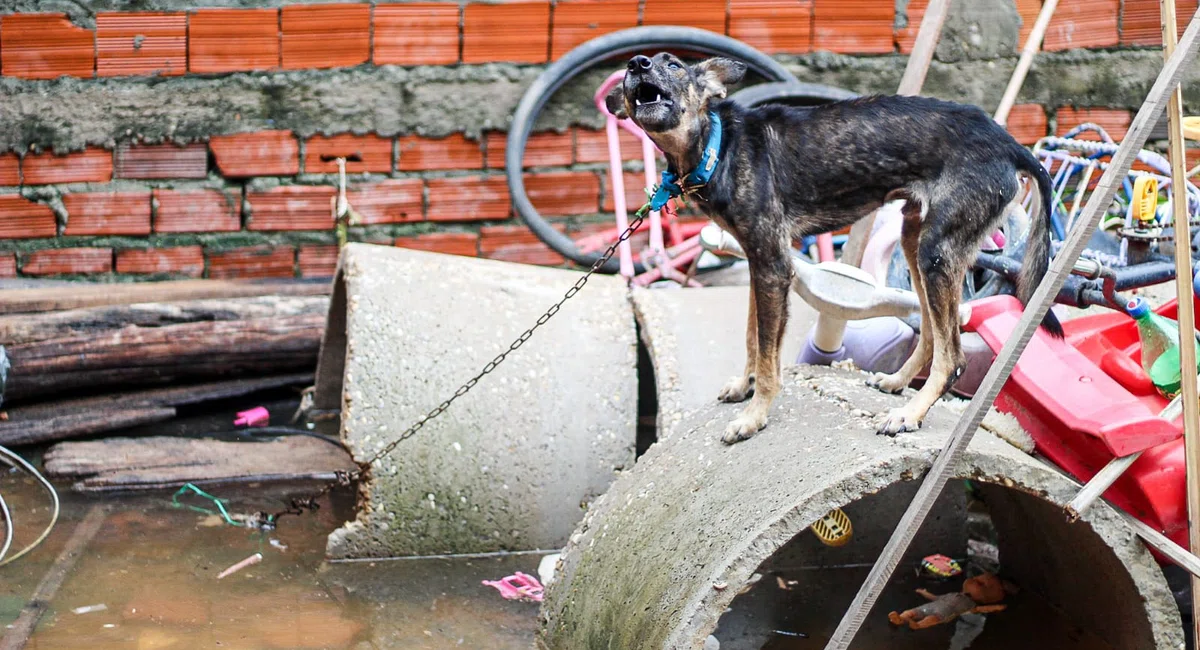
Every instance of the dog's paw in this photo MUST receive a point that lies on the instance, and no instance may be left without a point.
(892, 383)
(739, 389)
(897, 421)
(742, 428)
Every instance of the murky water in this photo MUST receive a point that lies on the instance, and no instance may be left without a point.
(154, 567)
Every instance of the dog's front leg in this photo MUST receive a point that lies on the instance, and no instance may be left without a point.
(770, 285)
(740, 388)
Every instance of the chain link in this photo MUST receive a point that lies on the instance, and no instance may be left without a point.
(342, 478)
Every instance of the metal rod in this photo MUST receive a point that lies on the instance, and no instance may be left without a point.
(1183, 288)
(956, 446)
(1027, 53)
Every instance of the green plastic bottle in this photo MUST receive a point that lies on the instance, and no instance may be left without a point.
(1160, 347)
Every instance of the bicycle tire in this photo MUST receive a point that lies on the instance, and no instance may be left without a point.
(576, 62)
(792, 94)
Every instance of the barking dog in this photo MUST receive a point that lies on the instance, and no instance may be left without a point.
(771, 174)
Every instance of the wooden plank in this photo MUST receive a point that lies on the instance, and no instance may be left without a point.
(1183, 288)
(1098, 485)
(923, 48)
(81, 295)
(1035, 311)
(162, 462)
(20, 631)
(1032, 45)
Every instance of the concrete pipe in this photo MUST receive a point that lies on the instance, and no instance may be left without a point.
(704, 539)
(511, 465)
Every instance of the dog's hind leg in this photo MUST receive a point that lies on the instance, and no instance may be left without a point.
(740, 388)
(942, 266)
(910, 237)
(771, 281)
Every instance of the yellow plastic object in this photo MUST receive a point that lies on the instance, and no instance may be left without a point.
(1145, 199)
(1191, 127)
(833, 529)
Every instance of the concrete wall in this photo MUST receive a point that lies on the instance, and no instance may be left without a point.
(154, 138)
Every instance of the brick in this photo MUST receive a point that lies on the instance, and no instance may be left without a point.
(1027, 123)
(391, 201)
(592, 146)
(516, 244)
(21, 218)
(292, 207)
(1141, 21)
(8, 265)
(318, 261)
(635, 192)
(196, 211)
(418, 33)
(61, 261)
(541, 150)
(1114, 121)
(107, 213)
(906, 36)
(375, 151)
(1028, 11)
(1083, 23)
(93, 165)
(469, 198)
(703, 14)
(45, 46)
(774, 26)
(853, 26)
(10, 169)
(263, 153)
(452, 152)
(233, 40)
(512, 31)
(253, 262)
(143, 43)
(178, 260)
(450, 243)
(579, 21)
(325, 36)
(161, 161)
(564, 193)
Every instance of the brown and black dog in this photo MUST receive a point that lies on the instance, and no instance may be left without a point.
(786, 172)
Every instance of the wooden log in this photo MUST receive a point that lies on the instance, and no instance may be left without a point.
(162, 462)
(62, 420)
(82, 295)
(29, 328)
(139, 356)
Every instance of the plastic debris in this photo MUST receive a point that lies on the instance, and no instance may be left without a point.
(88, 609)
(250, 561)
(519, 586)
(255, 417)
(940, 566)
(278, 544)
(220, 503)
(547, 567)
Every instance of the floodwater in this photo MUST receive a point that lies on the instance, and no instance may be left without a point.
(154, 567)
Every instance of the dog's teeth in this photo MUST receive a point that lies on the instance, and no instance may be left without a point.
(638, 102)
(657, 98)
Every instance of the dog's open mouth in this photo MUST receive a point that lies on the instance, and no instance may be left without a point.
(647, 94)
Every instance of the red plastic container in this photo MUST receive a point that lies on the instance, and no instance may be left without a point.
(1086, 400)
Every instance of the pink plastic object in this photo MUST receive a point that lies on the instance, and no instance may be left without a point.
(255, 417)
(519, 586)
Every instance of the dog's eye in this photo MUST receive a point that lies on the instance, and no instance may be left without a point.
(673, 65)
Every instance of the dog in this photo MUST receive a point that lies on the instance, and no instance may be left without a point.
(779, 173)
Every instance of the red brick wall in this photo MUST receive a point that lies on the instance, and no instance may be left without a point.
(257, 204)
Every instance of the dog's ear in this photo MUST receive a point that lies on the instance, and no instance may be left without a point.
(717, 73)
(615, 102)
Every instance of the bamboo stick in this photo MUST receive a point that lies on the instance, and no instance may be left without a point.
(1032, 46)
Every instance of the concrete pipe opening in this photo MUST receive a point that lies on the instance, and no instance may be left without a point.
(689, 543)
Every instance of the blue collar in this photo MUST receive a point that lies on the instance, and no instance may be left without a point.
(670, 188)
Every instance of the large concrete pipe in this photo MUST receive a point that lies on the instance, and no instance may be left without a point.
(512, 464)
(660, 560)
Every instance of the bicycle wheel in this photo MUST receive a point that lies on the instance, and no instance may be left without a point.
(578, 61)
(792, 94)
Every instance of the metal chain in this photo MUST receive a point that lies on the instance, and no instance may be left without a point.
(343, 478)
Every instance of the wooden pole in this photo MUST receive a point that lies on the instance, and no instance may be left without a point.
(1183, 288)
(1032, 46)
(956, 446)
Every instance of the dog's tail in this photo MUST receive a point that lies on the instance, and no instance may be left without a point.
(1037, 248)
